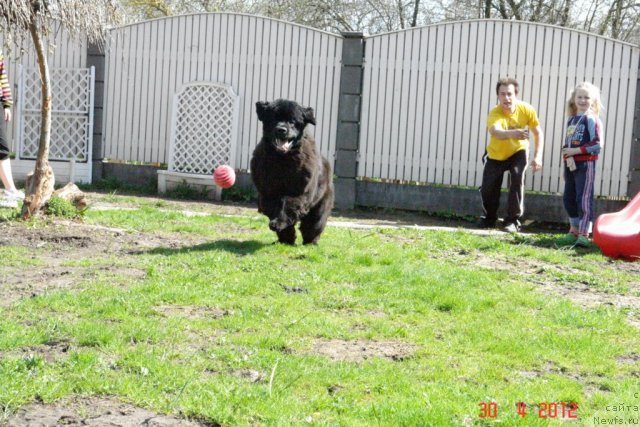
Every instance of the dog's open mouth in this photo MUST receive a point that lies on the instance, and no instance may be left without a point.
(283, 145)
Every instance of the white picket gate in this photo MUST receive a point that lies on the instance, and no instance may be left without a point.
(71, 140)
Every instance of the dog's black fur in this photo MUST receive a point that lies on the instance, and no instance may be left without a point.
(293, 180)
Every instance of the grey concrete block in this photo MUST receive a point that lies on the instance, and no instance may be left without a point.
(96, 170)
(349, 109)
(345, 192)
(634, 184)
(463, 202)
(95, 49)
(96, 150)
(348, 136)
(98, 95)
(352, 34)
(133, 174)
(352, 51)
(346, 164)
(351, 80)
(97, 120)
(634, 167)
(99, 69)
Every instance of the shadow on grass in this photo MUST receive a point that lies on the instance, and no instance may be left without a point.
(238, 247)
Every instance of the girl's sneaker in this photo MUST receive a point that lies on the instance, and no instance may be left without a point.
(568, 239)
(582, 241)
(10, 198)
(14, 195)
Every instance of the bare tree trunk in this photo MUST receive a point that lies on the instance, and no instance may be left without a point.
(616, 25)
(566, 13)
(487, 9)
(503, 10)
(416, 9)
(515, 9)
(591, 16)
(40, 185)
(401, 13)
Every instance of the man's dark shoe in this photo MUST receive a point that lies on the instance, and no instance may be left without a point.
(486, 223)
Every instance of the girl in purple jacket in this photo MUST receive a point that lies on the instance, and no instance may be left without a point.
(582, 144)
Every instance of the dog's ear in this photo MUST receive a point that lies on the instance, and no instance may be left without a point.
(309, 116)
(261, 108)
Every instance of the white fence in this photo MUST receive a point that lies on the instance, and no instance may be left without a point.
(425, 96)
(427, 92)
(260, 58)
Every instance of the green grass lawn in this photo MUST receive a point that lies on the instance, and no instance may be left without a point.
(371, 327)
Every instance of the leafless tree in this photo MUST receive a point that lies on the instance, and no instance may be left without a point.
(614, 18)
(137, 10)
(34, 19)
(621, 20)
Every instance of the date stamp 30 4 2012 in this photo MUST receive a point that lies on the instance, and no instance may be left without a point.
(548, 410)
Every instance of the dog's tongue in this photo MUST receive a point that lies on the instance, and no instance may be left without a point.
(283, 145)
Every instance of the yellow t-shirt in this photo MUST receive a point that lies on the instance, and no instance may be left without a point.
(523, 116)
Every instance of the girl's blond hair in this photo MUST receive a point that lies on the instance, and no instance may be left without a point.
(594, 93)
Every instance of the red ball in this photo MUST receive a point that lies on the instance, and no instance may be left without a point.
(224, 176)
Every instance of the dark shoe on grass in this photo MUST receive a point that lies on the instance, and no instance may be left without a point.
(485, 223)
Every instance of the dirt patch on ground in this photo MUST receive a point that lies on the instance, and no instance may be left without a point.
(250, 375)
(592, 384)
(192, 312)
(54, 247)
(360, 350)
(579, 293)
(93, 412)
(32, 282)
(63, 237)
(585, 296)
(49, 353)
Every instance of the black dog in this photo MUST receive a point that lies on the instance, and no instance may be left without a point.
(293, 180)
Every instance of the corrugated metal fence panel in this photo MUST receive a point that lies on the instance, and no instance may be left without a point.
(63, 51)
(262, 59)
(427, 92)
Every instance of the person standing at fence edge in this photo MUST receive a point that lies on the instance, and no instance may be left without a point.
(582, 144)
(11, 194)
(509, 124)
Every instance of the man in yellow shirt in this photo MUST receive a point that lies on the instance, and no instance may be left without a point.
(509, 124)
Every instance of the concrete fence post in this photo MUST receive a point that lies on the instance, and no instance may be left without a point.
(96, 58)
(634, 161)
(349, 110)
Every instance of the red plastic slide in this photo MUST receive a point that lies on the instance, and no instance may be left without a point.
(618, 233)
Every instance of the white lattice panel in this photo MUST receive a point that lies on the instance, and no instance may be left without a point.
(69, 87)
(203, 128)
(69, 135)
(71, 114)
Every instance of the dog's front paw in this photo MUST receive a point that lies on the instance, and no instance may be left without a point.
(277, 224)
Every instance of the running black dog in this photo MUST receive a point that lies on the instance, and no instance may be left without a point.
(293, 180)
